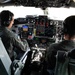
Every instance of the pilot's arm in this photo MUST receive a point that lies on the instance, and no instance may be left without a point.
(23, 45)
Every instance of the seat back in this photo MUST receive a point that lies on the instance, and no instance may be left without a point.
(5, 61)
(65, 63)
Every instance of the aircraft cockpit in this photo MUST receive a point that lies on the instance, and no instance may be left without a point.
(40, 22)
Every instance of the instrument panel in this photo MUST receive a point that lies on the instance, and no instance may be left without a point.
(38, 30)
(37, 26)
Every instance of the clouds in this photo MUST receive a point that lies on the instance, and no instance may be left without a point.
(53, 13)
(60, 13)
(20, 11)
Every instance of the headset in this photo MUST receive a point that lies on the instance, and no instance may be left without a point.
(64, 29)
(8, 22)
(6, 17)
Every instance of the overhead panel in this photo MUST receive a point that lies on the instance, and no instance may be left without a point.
(37, 3)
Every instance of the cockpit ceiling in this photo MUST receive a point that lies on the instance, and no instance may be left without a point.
(38, 3)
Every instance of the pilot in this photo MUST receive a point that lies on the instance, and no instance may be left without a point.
(12, 42)
(66, 45)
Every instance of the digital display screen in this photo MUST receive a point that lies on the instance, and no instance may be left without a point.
(25, 27)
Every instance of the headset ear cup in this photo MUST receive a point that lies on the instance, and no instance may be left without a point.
(9, 19)
(6, 23)
(64, 30)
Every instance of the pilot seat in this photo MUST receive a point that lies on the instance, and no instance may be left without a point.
(65, 63)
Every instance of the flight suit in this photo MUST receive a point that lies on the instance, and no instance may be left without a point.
(11, 40)
(65, 45)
